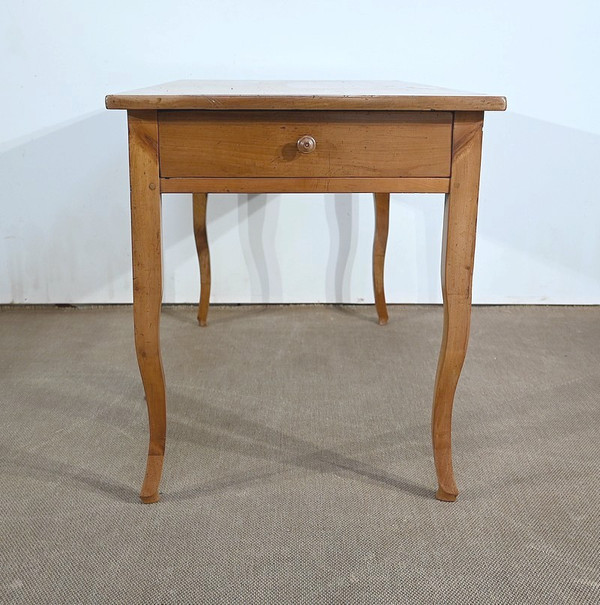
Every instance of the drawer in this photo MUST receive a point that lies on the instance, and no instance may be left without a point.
(212, 143)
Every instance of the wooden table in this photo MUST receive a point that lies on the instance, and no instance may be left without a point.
(379, 137)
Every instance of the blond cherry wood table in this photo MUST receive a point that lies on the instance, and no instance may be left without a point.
(205, 137)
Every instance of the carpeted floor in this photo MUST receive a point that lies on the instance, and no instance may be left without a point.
(299, 465)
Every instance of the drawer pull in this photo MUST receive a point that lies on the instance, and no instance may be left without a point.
(306, 144)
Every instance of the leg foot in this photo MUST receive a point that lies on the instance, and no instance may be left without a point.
(149, 493)
(445, 496)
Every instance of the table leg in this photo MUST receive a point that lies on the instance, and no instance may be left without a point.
(382, 220)
(199, 203)
(458, 249)
(147, 284)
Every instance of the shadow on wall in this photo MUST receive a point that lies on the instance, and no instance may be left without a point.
(66, 230)
(258, 242)
(65, 216)
(538, 237)
(273, 228)
(342, 219)
(65, 223)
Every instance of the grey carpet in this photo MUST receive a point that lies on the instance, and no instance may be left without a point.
(299, 464)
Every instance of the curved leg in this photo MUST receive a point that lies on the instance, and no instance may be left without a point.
(147, 284)
(199, 203)
(458, 249)
(382, 221)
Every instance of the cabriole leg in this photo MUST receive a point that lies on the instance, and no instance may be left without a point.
(458, 249)
(199, 202)
(147, 284)
(382, 220)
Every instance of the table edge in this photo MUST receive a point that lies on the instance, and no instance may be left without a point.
(316, 102)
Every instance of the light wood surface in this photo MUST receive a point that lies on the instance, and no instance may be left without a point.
(303, 94)
(458, 250)
(305, 185)
(354, 150)
(147, 284)
(199, 202)
(264, 144)
(382, 222)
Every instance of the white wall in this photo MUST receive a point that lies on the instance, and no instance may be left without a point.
(64, 224)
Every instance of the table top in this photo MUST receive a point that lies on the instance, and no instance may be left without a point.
(298, 94)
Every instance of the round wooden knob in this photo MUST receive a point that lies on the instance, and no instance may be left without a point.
(306, 144)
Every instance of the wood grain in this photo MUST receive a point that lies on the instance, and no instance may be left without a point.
(248, 144)
(312, 95)
(371, 137)
(458, 250)
(200, 201)
(382, 221)
(304, 185)
(147, 284)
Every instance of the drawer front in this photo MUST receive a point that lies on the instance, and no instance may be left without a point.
(373, 144)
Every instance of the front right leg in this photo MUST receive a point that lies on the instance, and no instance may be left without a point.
(458, 250)
(147, 284)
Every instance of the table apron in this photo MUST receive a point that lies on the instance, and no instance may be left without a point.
(341, 144)
(304, 185)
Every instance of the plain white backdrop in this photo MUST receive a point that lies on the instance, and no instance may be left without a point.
(64, 216)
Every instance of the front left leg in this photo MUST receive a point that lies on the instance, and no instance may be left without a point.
(147, 284)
